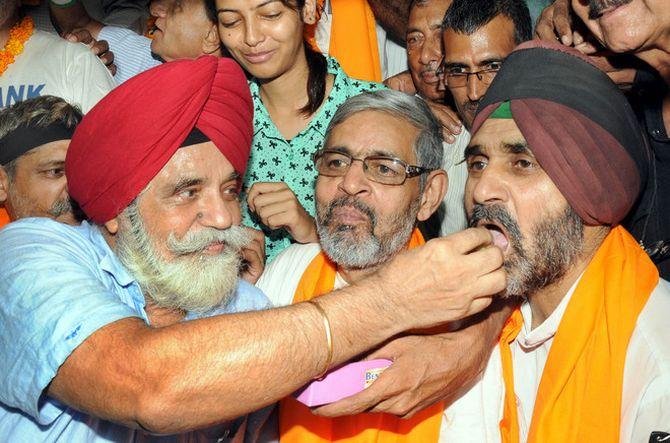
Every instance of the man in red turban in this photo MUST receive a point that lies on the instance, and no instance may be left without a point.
(113, 327)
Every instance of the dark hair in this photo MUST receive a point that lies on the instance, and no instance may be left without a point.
(317, 66)
(210, 10)
(467, 16)
(38, 112)
(316, 61)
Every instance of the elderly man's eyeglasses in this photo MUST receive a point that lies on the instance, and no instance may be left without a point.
(456, 77)
(380, 169)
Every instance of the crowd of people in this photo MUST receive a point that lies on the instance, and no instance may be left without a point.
(206, 205)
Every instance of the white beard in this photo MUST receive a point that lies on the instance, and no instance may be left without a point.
(192, 281)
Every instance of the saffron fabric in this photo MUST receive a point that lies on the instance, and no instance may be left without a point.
(580, 394)
(296, 422)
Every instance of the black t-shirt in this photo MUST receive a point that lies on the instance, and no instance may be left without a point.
(649, 221)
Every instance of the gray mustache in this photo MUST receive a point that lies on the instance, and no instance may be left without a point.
(194, 242)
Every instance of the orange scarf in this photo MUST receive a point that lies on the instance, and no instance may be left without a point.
(353, 38)
(296, 422)
(579, 397)
(4, 217)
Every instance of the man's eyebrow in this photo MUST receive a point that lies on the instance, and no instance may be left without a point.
(517, 148)
(52, 164)
(412, 30)
(341, 149)
(449, 65)
(472, 150)
(183, 183)
(219, 11)
(490, 60)
(234, 176)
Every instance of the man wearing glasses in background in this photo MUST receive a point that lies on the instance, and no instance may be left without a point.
(477, 36)
(379, 175)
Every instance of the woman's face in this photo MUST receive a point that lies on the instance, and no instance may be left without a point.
(264, 36)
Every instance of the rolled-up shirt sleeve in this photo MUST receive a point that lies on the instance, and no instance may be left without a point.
(54, 296)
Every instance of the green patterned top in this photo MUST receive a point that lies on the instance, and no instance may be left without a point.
(275, 159)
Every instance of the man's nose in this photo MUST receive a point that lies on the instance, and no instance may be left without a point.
(355, 182)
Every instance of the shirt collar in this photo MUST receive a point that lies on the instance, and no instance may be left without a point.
(109, 262)
(530, 339)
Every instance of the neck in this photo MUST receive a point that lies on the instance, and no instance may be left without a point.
(545, 301)
(160, 317)
(288, 92)
(4, 28)
(659, 60)
(658, 53)
(352, 276)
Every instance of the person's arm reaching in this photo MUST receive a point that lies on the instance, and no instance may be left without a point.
(202, 372)
(68, 16)
(427, 369)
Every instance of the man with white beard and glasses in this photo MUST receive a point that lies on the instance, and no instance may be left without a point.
(104, 335)
(34, 137)
(555, 163)
(378, 176)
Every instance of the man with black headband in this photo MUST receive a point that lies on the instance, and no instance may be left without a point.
(34, 137)
(556, 161)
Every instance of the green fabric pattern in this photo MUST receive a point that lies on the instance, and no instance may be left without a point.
(503, 111)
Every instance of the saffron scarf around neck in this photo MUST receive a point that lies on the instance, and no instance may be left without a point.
(353, 38)
(298, 425)
(579, 396)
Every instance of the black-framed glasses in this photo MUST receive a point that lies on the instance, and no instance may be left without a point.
(454, 78)
(380, 169)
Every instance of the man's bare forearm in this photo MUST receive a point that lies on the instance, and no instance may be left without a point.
(194, 374)
(393, 16)
(198, 373)
(66, 19)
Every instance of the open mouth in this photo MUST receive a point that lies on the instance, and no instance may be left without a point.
(214, 248)
(348, 215)
(499, 233)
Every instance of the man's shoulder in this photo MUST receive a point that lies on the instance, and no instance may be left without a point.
(43, 237)
(41, 40)
(282, 275)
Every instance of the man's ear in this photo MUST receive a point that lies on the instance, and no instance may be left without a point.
(309, 12)
(4, 186)
(112, 226)
(433, 194)
(211, 43)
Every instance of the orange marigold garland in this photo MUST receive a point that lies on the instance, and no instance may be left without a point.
(18, 36)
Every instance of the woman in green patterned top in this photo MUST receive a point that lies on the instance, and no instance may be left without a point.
(296, 90)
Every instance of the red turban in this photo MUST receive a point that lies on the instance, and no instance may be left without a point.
(127, 138)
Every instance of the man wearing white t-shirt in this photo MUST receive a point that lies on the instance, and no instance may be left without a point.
(48, 65)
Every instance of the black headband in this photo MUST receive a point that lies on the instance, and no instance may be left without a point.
(195, 137)
(26, 137)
